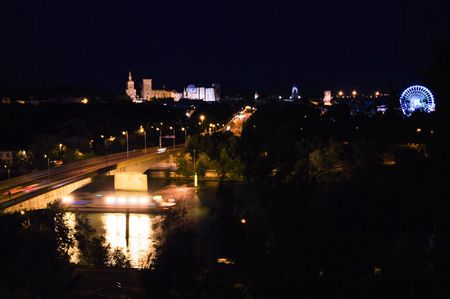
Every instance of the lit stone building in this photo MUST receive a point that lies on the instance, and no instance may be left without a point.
(131, 91)
(148, 93)
(327, 98)
(211, 94)
(191, 92)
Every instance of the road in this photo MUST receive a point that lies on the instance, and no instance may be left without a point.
(58, 176)
(236, 124)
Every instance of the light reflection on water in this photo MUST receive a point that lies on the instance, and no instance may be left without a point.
(143, 234)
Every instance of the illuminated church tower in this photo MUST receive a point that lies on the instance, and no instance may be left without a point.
(131, 91)
(327, 98)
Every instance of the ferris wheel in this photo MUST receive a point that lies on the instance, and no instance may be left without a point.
(417, 98)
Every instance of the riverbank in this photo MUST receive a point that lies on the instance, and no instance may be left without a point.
(172, 175)
(107, 283)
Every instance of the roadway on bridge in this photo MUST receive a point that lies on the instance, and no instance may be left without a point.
(236, 124)
(59, 176)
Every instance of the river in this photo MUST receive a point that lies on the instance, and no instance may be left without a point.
(144, 229)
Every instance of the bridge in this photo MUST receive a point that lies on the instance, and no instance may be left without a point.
(36, 190)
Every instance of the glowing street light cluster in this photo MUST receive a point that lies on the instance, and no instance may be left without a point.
(354, 93)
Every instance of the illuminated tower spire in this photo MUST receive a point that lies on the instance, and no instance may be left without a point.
(131, 91)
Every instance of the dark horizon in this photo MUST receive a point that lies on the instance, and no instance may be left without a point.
(245, 47)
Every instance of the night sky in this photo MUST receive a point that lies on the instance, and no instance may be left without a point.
(243, 45)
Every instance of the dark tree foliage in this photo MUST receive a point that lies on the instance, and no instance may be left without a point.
(93, 249)
(34, 256)
(218, 152)
(336, 206)
(437, 75)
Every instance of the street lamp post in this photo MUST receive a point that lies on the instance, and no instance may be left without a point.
(142, 130)
(48, 166)
(126, 135)
(7, 169)
(105, 142)
(185, 130)
(60, 150)
(202, 119)
(9, 183)
(160, 136)
(195, 173)
(173, 136)
(244, 223)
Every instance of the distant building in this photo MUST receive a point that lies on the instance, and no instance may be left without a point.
(327, 98)
(5, 101)
(131, 91)
(210, 94)
(6, 157)
(148, 93)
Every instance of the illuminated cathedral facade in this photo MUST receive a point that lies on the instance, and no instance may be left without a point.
(148, 93)
(207, 94)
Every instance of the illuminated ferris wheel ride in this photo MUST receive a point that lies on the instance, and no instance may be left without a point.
(417, 98)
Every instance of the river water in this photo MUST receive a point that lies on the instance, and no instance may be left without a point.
(143, 237)
(144, 229)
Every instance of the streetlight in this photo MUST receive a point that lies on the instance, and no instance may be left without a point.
(202, 119)
(354, 93)
(173, 137)
(143, 131)
(126, 135)
(195, 173)
(185, 130)
(60, 150)
(105, 142)
(48, 166)
(244, 223)
(7, 168)
(160, 136)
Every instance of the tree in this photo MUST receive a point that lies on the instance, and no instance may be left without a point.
(203, 163)
(93, 249)
(438, 74)
(35, 263)
(185, 166)
(119, 259)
